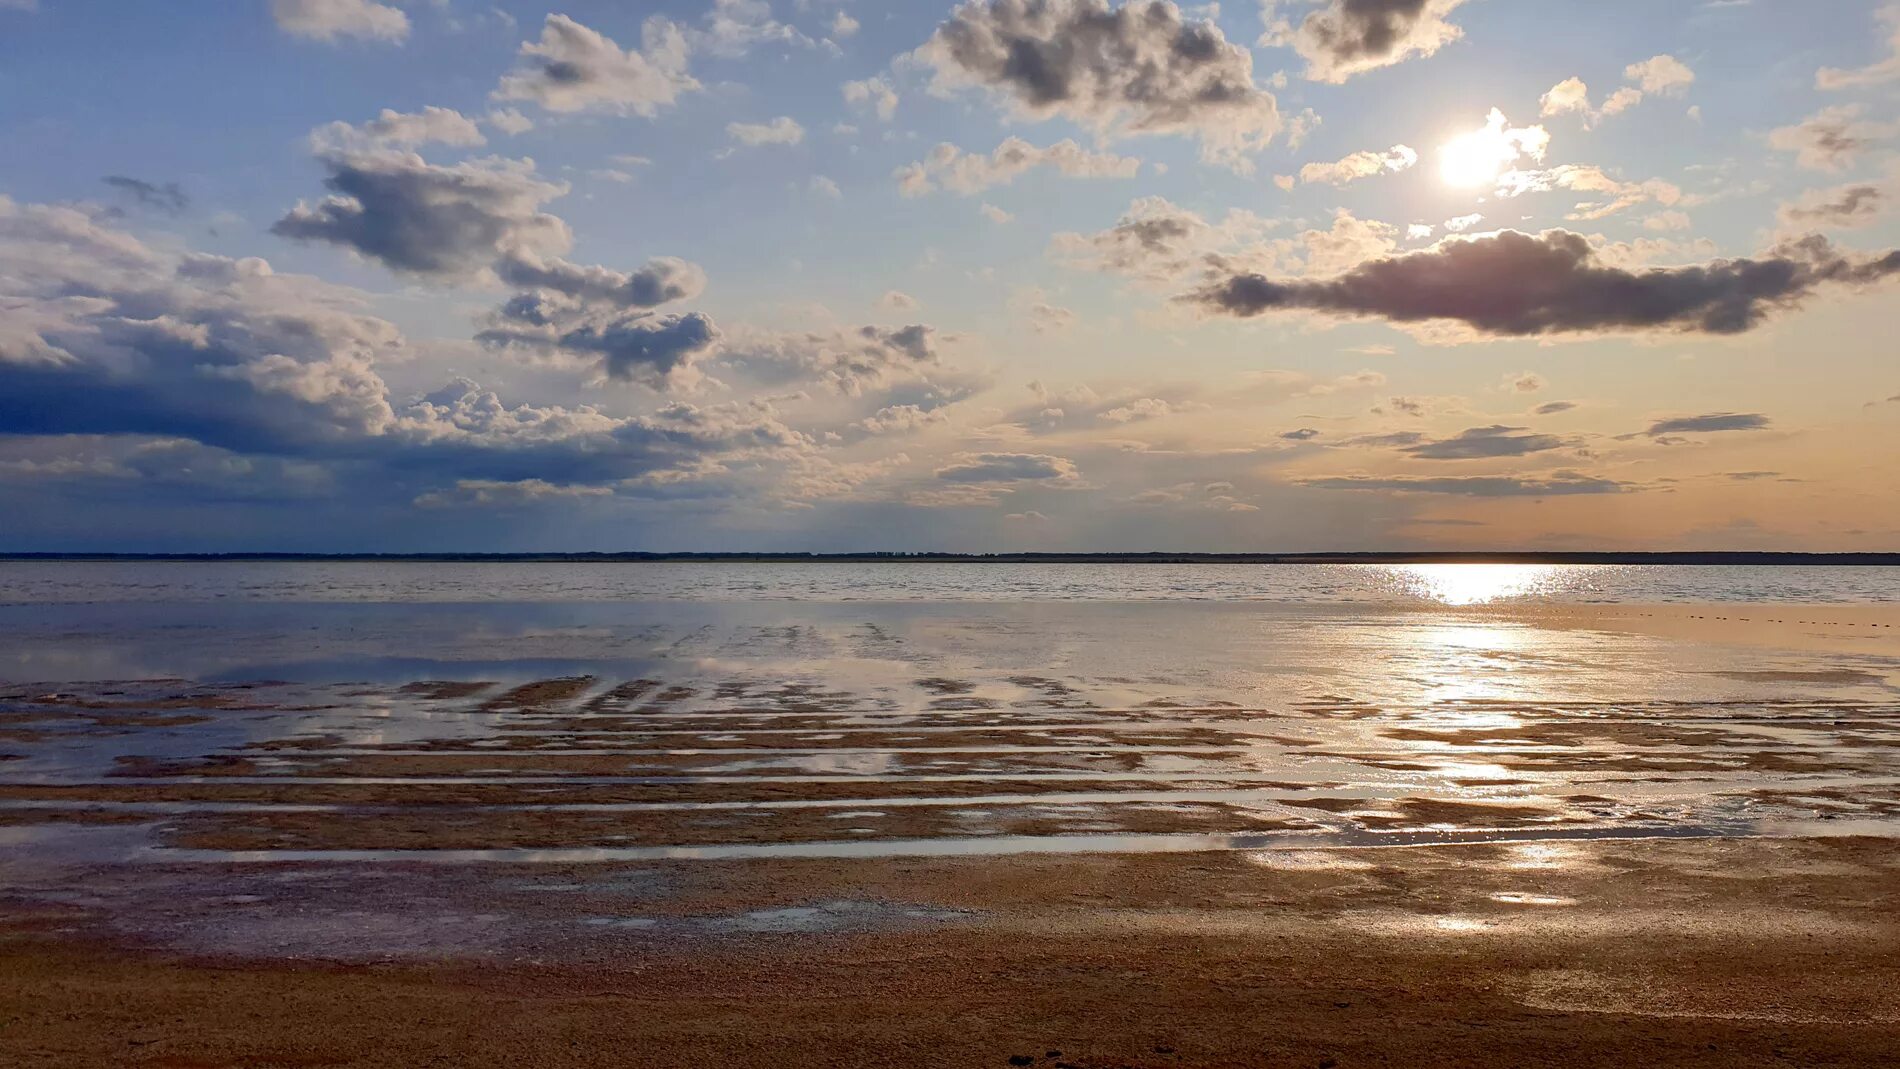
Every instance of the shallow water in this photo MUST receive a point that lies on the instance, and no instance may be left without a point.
(194, 719)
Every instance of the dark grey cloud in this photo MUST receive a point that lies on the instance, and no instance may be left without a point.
(1478, 443)
(1392, 440)
(1551, 408)
(1301, 435)
(1139, 68)
(654, 350)
(410, 215)
(1006, 468)
(1511, 283)
(106, 336)
(167, 197)
(1557, 484)
(663, 280)
(1713, 421)
(1349, 37)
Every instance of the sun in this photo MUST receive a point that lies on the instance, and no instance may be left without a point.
(1478, 158)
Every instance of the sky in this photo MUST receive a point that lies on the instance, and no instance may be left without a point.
(835, 275)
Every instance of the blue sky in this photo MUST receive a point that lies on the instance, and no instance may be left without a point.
(703, 276)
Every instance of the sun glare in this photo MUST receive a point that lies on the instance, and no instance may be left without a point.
(1480, 157)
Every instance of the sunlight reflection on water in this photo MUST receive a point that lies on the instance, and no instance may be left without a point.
(1479, 584)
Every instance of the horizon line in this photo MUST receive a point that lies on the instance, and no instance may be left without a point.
(1712, 557)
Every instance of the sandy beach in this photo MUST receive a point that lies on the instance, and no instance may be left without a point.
(1262, 836)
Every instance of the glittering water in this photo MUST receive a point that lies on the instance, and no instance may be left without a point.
(1454, 584)
(309, 734)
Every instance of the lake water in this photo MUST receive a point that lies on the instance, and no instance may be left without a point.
(36, 582)
(161, 717)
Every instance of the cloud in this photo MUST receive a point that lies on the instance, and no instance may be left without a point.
(1878, 73)
(1854, 205)
(663, 280)
(1045, 317)
(604, 318)
(1302, 434)
(899, 300)
(1514, 284)
(1551, 408)
(1557, 484)
(850, 362)
(783, 130)
(169, 197)
(510, 121)
(1349, 37)
(874, 93)
(1583, 178)
(1458, 224)
(1569, 95)
(407, 129)
(1158, 240)
(843, 25)
(1831, 139)
(1480, 443)
(1523, 382)
(327, 20)
(573, 68)
(1477, 157)
(427, 219)
(657, 351)
(995, 214)
(733, 27)
(965, 173)
(1713, 421)
(1660, 74)
(235, 357)
(492, 493)
(1131, 70)
(1006, 468)
(1663, 75)
(1359, 165)
(825, 187)
(900, 419)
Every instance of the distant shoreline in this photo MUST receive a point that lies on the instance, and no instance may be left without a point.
(1682, 558)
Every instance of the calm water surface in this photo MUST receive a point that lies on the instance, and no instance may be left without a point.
(1454, 584)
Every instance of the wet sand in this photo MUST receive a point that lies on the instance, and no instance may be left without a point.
(1617, 835)
(1705, 953)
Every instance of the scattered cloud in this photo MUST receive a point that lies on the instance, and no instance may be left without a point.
(1709, 423)
(1854, 205)
(1137, 69)
(1479, 443)
(1350, 37)
(873, 93)
(1514, 284)
(1557, 484)
(783, 130)
(1663, 75)
(428, 219)
(1831, 139)
(573, 68)
(1007, 468)
(949, 167)
(1879, 72)
(327, 20)
(1359, 165)
(167, 197)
